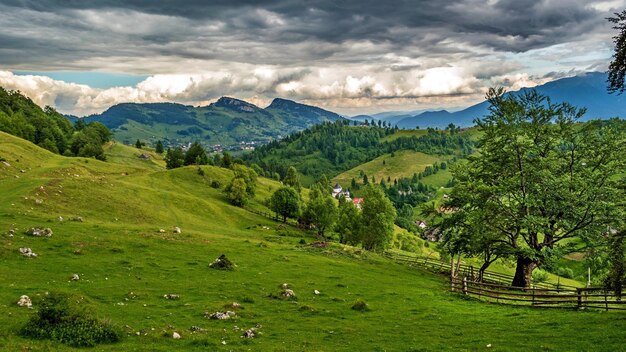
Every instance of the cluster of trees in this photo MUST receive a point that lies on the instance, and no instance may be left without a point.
(542, 185)
(47, 128)
(243, 185)
(370, 227)
(333, 147)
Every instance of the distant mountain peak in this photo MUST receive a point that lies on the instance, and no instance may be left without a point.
(235, 104)
(280, 103)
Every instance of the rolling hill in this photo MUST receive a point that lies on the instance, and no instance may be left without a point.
(227, 122)
(127, 265)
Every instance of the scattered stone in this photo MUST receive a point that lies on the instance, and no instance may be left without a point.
(161, 231)
(6, 164)
(23, 171)
(75, 277)
(316, 292)
(489, 346)
(175, 335)
(233, 305)
(171, 296)
(288, 293)
(222, 263)
(196, 328)
(144, 156)
(25, 302)
(60, 218)
(249, 334)
(177, 229)
(77, 218)
(40, 232)
(27, 252)
(39, 201)
(284, 286)
(220, 315)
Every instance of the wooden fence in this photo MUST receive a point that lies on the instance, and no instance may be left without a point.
(469, 271)
(495, 287)
(579, 298)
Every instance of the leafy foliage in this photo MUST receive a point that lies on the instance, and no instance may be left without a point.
(617, 67)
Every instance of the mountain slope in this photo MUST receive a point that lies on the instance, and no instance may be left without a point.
(228, 121)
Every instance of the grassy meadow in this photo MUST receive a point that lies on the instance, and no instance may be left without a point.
(127, 265)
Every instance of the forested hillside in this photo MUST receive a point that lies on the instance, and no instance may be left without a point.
(332, 148)
(21, 117)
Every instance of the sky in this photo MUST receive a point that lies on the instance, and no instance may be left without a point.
(348, 56)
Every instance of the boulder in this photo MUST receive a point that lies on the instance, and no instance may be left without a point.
(288, 293)
(25, 302)
(220, 315)
(316, 292)
(175, 335)
(40, 232)
(249, 334)
(77, 218)
(27, 252)
(161, 231)
(75, 277)
(222, 263)
(171, 296)
(177, 229)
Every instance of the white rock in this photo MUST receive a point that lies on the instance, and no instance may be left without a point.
(177, 229)
(288, 293)
(161, 231)
(176, 336)
(60, 218)
(75, 277)
(316, 292)
(25, 302)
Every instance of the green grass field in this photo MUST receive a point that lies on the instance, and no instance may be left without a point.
(403, 164)
(126, 266)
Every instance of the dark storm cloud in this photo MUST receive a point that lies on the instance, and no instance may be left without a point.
(507, 25)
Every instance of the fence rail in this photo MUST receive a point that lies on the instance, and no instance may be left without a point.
(469, 271)
(578, 298)
(495, 287)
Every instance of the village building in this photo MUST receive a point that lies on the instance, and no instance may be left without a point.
(421, 224)
(338, 190)
(358, 202)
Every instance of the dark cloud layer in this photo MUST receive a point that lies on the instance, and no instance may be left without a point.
(351, 51)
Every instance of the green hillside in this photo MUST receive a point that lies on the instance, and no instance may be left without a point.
(126, 266)
(402, 164)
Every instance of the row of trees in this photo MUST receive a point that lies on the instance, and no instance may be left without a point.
(370, 227)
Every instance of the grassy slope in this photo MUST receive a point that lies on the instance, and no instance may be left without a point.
(403, 164)
(118, 250)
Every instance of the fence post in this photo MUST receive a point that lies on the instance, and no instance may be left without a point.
(606, 301)
(579, 295)
(465, 285)
(533, 303)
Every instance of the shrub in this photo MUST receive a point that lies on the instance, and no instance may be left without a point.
(565, 272)
(63, 318)
(540, 276)
(222, 263)
(360, 306)
(216, 184)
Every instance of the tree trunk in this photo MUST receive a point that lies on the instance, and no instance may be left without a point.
(524, 272)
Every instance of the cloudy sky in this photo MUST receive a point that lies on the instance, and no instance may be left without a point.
(349, 56)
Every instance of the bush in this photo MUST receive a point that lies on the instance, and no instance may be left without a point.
(216, 184)
(61, 318)
(360, 306)
(540, 276)
(222, 263)
(565, 272)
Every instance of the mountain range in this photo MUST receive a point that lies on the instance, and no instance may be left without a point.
(231, 121)
(228, 121)
(587, 90)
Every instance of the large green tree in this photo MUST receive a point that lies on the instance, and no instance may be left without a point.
(292, 178)
(285, 201)
(236, 192)
(174, 158)
(348, 224)
(617, 67)
(321, 209)
(196, 155)
(540, 179)
(377, 219)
